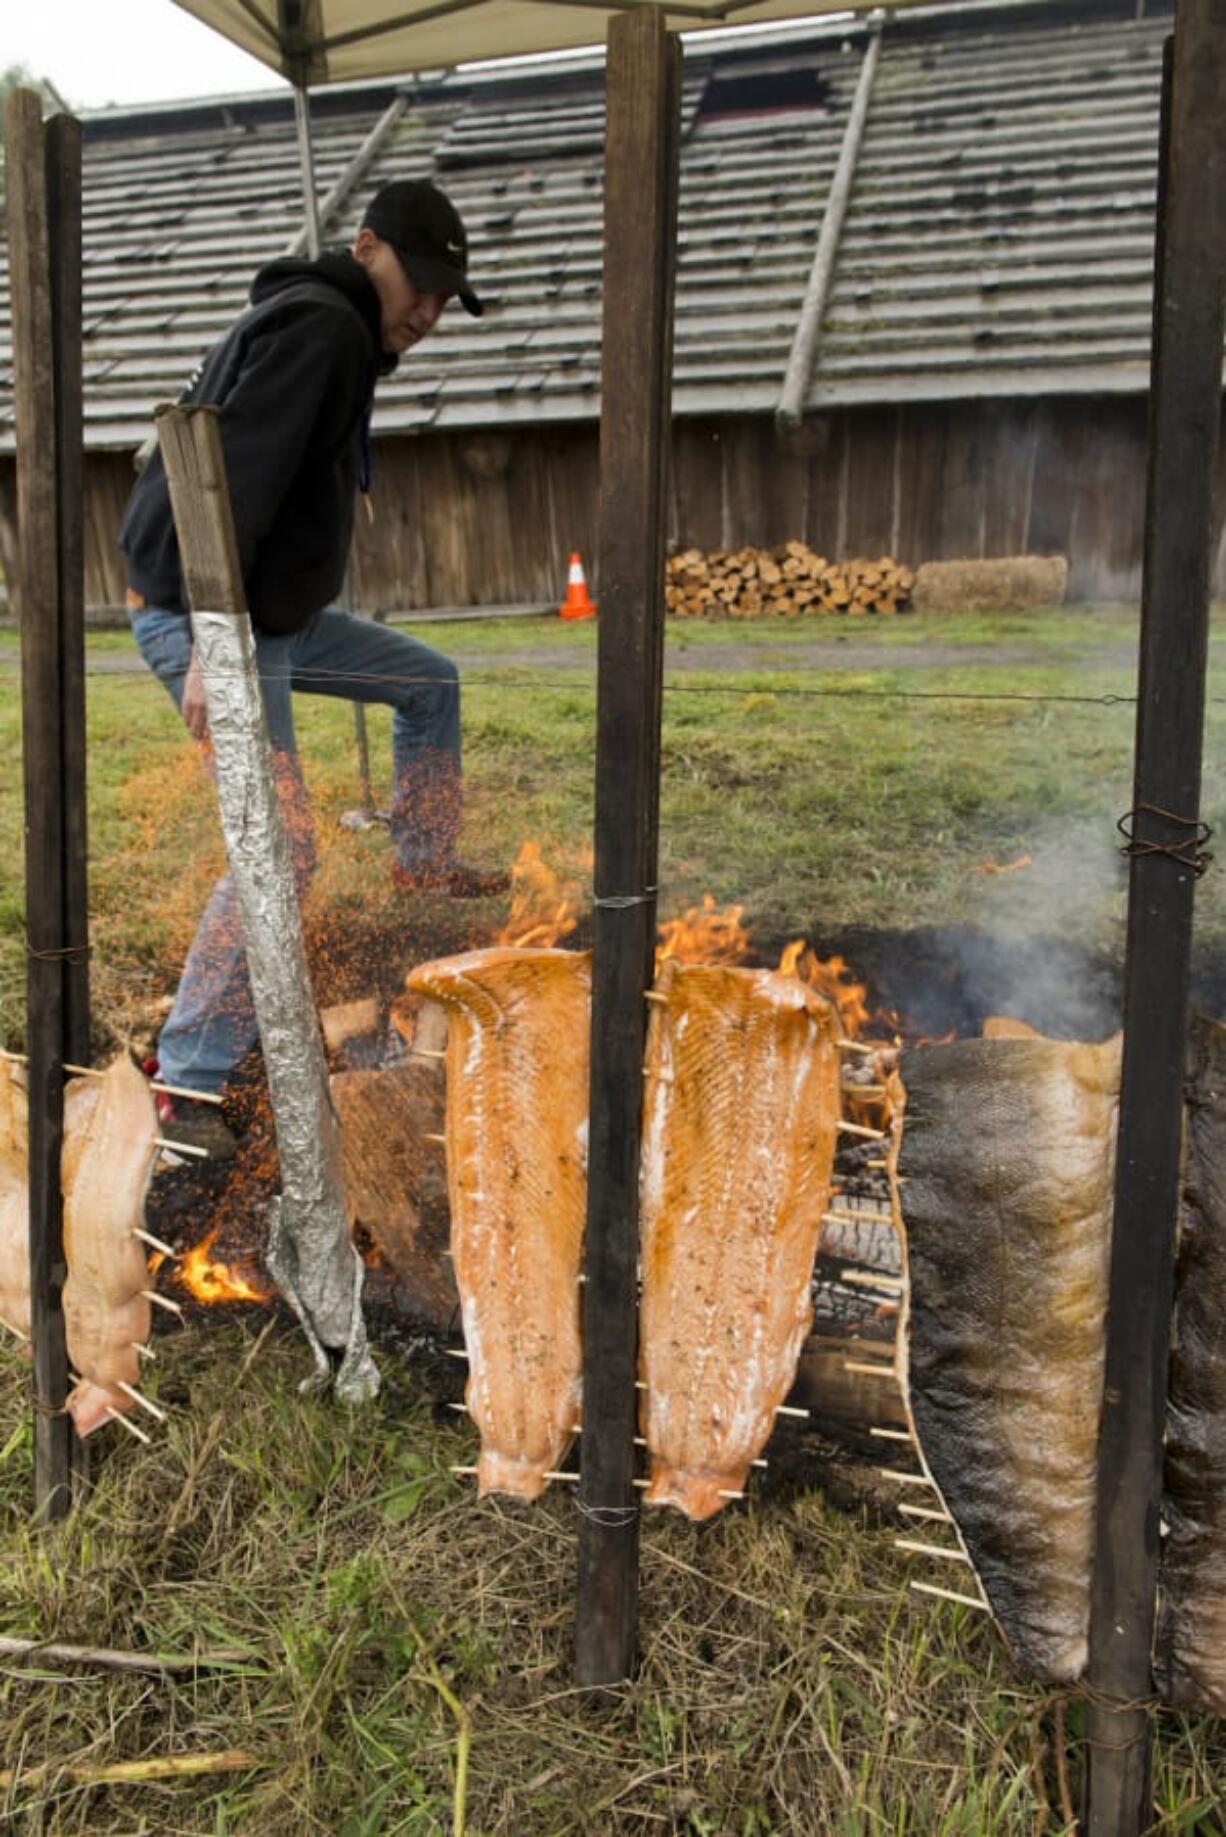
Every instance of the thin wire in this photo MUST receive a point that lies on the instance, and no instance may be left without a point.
(553, 684)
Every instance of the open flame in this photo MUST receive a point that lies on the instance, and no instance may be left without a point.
(705, 934)
(212, 1281)
(832, 977)
(544, 907)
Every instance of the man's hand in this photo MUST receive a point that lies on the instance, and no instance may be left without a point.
(195, 709)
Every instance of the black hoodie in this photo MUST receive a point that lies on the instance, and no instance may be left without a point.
(294, 378)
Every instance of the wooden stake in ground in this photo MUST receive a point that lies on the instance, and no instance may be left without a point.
(310, 1255)
(641, 159)
(43, 212)
(1185, 416)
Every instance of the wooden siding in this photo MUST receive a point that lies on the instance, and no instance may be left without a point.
(488, 519)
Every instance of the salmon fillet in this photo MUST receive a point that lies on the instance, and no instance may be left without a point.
(1190, 1655)
(740, 1113)
(516, 1131)
(110, 1125)
(1007, 1162)
(14, 1202)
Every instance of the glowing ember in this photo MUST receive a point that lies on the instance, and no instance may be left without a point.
(544, 908)
(210, 1281)
(705, 934)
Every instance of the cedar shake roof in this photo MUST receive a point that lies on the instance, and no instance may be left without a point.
(999, 240)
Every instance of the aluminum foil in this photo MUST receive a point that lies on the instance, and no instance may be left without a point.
(311, 1257)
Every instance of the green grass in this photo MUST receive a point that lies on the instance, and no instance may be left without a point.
(869, 799)
(789, 1682)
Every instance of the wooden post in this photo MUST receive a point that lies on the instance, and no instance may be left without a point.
(641, 158)
(1185, 416)
(63, 137)
(43, 211)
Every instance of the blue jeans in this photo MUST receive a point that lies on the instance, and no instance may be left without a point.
(212, 1023)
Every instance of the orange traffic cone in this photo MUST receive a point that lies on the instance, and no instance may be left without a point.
(578, 602)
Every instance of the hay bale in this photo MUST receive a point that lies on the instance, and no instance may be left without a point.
(991, 585)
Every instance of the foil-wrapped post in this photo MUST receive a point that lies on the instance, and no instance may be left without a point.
(311, 1256)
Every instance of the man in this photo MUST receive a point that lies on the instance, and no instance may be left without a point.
(294, 379)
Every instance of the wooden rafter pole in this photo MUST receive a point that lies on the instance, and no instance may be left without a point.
(643, 92)
(1185, 419)
(43, 212)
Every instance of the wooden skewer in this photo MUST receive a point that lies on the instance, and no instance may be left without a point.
(861, 1129)
(155, 1084)
(857, 1218)
(15, 1331)
(867, 1278)
(573, 1480)
(781, 1409)
(435, 1138)
(881, 1166)
(426, 1052)
(873, 1370)
(180, 1090)
(142, 1351)
(925, 1511)
(947, 1594)
(121, 1419)
(147, 1237)
(917, 1549)
(907, 1479)
(181, 1148)
(576, 1428)
(161, 1301)
(892, 1435)
(858, 1046)
(130, 1390)
(661, 1001)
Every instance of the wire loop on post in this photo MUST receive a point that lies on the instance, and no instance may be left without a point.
(69, 953)
(610, 1517)
(1191, 852)
(621, 902)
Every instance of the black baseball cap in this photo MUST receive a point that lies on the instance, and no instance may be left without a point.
(425, 229)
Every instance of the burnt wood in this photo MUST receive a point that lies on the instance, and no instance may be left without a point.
(1185, 398)
(641, 155)
(42, 186)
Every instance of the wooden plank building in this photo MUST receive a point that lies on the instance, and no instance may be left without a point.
(981, 374)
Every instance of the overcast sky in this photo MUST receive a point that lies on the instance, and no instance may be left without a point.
(100, 51)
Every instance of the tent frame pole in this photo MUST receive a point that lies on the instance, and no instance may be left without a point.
(643, 89)
(367, 814)
(44, 232)
(1185, 414)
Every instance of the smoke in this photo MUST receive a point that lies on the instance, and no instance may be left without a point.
(1056, 928)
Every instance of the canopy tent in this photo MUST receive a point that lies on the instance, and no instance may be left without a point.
(334, 41)
(314, 42)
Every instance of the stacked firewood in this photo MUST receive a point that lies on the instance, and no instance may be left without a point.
(790, 579)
